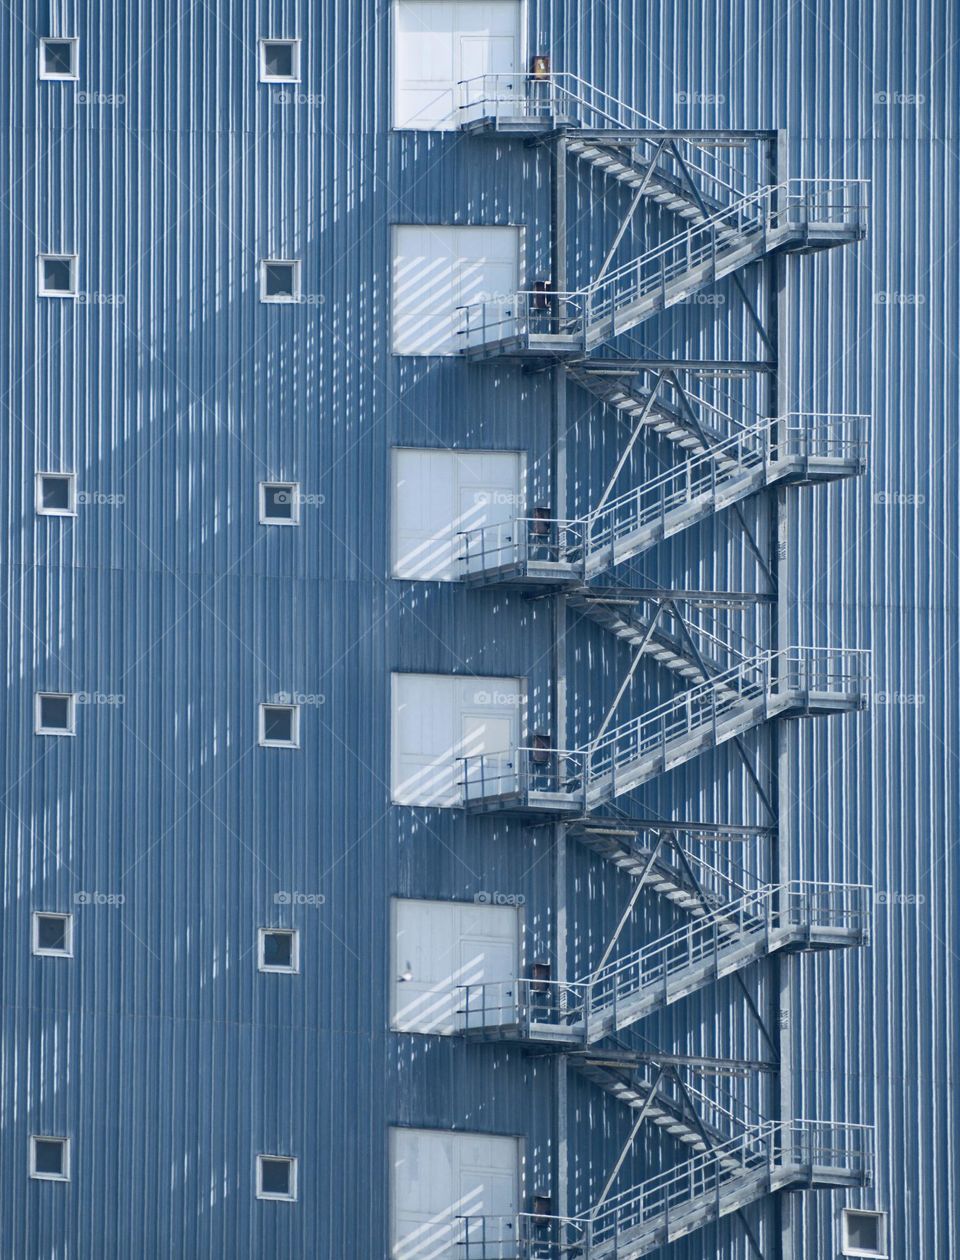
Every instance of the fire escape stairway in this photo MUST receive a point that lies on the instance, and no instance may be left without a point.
(617, 159)
(667, 649)
(794, 449)
(663, 877)
(793, 682)
(635, 1091)
(766, 1158)
(798, 215)
(628, 398)
(800, 915)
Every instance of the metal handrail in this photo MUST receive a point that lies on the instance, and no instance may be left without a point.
(833, 671)
(578, 540)
(766, 912)
(799, 201)
(542, 103)
(576, 772)
(801, 1146)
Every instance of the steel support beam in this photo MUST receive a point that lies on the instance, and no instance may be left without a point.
(634, 897)
(615, 1172)
(621, 367)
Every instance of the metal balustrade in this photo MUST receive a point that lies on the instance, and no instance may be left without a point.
(506, 101)
(771, 684)
(796, 212)
(802, 914)
(769, 1156)
(796, 446)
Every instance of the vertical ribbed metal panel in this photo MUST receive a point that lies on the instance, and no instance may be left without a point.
(157, 1049)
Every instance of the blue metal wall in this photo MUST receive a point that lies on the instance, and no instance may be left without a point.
(157, 1049)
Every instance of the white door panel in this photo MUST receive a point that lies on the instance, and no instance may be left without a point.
(439, 494)
(442, 945)
(438, 269)
(438, 1176)
(429, 731)
(440, 43)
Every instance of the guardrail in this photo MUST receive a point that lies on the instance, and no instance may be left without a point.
(561, 94)
(765, 446)
(522, 771)
(770, 914)
(641, 1218)
(761, 217)
(842, 674)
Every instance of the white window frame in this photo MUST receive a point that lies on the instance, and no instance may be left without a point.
(523, 57)
(42, 290)
(70, 697)
(45, 1176)
(71, 508)
(294, 968)
(262, 59)
(44, 74)
(67, 951)
(846, 1249)
(294, 519)
(266, 1194)
(294, 741)
(278, 299)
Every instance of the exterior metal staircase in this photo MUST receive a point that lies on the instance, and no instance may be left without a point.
(800, 915)
(795, 1154)
(794, 449)
(628, 398)
(796, 215)
(639, 1092)
(790, 683)
(663, 877)
(733, 213)
(668, 650)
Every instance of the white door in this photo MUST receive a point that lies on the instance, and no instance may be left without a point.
(489, 742)
(441, 43)
(440, 946)
(429, 730)
(438, 496)
(438, 269)
(440, 1177)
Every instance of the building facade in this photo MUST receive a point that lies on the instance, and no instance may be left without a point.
(480, 595)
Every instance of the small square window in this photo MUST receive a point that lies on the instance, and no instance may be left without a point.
(279, 949)
(59, 58)
(279, 280)
(56, 713)
(863, 1233)
(58, 275)
(276, 1177)
(279, 503)
(53, 934)
(56, 494)
(279, 60)
(280, 725)
(50, 1158)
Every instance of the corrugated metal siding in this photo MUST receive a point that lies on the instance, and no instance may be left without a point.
(156, 1049)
